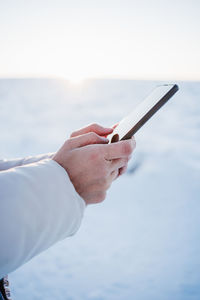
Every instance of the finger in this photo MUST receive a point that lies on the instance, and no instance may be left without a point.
(118, 163)
(120, 149)
(98, 129)
(115, 125)
(86, 139)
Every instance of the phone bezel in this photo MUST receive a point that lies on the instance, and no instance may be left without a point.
(149, 114)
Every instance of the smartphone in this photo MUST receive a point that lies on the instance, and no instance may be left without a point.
(129, 125)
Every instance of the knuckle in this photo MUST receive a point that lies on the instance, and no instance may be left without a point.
(73, 134)
(94, 126)
(93, 136)
(127, 148)
(68, 143)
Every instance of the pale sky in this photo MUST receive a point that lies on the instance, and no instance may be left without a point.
(77, 39)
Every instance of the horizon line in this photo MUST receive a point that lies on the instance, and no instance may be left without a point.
(96, 78)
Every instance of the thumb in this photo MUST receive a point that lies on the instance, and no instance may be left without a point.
(86, 139)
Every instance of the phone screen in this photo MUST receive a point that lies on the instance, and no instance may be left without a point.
(143, 112)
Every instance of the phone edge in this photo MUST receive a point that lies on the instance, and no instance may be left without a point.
(152, 111)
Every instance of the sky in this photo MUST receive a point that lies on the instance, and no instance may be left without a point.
(138, 39)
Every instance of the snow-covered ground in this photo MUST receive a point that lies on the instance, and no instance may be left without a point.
(143, 242)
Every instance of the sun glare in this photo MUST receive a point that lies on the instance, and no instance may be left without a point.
(76, 80)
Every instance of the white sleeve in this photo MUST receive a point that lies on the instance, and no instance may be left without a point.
(16, 162)
(38, 207)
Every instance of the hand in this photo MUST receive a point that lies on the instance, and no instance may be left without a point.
(102, 131)
(91, 163)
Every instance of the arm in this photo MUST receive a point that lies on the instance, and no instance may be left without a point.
(12, 163)
(39, 206)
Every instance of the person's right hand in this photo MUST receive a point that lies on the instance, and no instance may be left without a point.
(92, 164)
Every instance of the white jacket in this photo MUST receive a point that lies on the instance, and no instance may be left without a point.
(38, 207)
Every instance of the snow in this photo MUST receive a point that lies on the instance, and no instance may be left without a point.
(143, 241)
